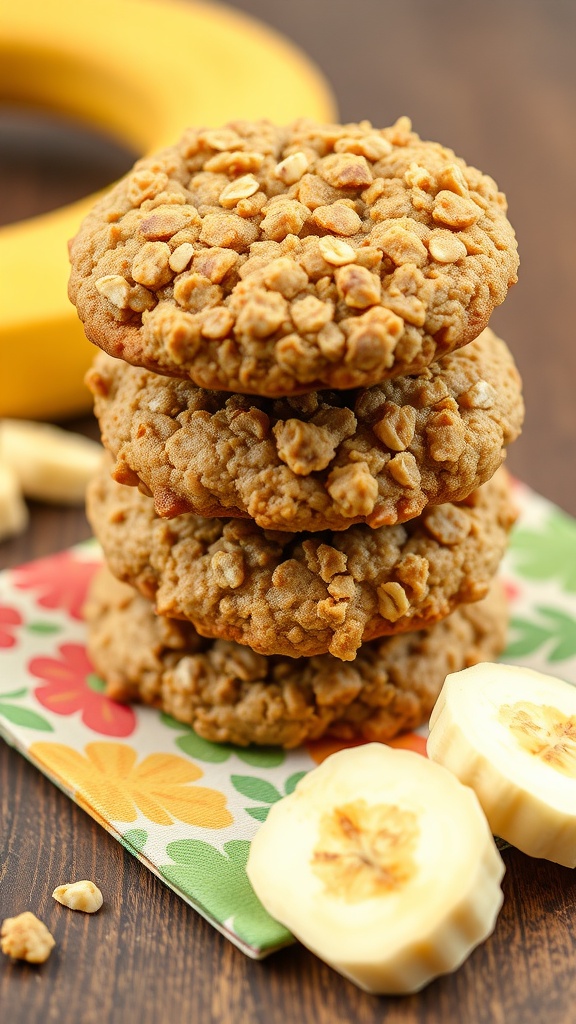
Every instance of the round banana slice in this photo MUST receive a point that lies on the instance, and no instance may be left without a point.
(383, 864)
(510, 734)
(13, 511)
(49, 463)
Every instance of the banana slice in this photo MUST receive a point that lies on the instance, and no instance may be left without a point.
(510, 734)
(383, 864)
(13, 511)
(50, 464)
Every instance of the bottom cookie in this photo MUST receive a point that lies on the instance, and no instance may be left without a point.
(229, 694)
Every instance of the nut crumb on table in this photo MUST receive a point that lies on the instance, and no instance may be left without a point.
(82, 895)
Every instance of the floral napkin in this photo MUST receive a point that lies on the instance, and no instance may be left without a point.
(185, 807)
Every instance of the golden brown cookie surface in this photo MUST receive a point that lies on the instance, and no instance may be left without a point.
(276, 261)
(229, 694)
(304, 594)
(320, 461)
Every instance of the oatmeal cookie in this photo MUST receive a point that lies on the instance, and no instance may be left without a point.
(280, 260)
(303, 594)
(229, 694)
(319, 461)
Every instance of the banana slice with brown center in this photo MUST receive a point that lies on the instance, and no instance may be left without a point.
(383, 864)
(510, 734)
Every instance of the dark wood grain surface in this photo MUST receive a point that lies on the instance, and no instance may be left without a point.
(497, 82)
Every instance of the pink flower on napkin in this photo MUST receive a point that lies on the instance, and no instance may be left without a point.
(61, 579)
(71, 685)
(9, 618)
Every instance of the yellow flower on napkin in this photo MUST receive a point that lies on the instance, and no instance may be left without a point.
(109, 782)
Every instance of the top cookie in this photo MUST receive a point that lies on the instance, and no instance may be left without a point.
(276, 261)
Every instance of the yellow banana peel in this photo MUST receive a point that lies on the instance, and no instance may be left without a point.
(142, 71)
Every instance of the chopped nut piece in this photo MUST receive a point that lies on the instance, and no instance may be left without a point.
(373, 147)
(291, 169)
(353, 489)
(242, 188)
(454, 210)
(372, 338)
(215, 263)
(418, 177)
(229, 568)
(181, 257)
(358, 287)
(195, 292)
(345, 170)
(446, 435)
(114, 288)
(222, 139)
(234, 163)
(481, 395)
(261, 314)
(285, 276)
(447, 523)
(228, 231)
(166, 220)
(397, 426)
(400, 132)
(337, 218)
(304, 447)
(145, 184)
(284, 217)
(216, 323)
(331, 341)
(452, 178)
(336, 252)
(404, 468)
(392, 601)
(309, 314)
(83, 895)
(25, 937)
(402, 246)
(446, 247)
(151, 266)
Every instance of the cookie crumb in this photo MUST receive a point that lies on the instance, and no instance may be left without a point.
(25, 937)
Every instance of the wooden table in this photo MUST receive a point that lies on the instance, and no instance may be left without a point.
(497, 82)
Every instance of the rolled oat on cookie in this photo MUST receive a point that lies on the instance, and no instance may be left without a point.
(281, 260)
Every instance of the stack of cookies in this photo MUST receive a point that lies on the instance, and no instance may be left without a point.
(305, 421)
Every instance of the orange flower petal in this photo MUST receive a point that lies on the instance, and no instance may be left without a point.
(197, 805)
(115, 760)
(166, 769)
(151, 807)
(95, 788)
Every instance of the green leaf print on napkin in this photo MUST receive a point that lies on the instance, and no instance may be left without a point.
(214, 753)
(557, 629)
(548, 553)
(261, 789)
(43, 628)
(219, 884)
(22, 716)
(134, 840)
